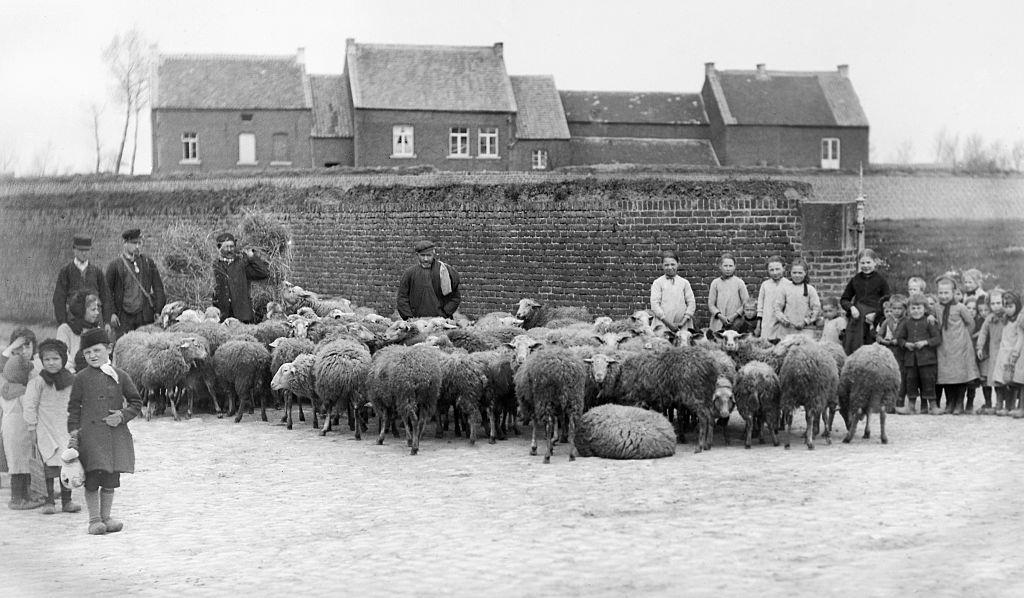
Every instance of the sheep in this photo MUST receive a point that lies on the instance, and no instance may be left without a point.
(870, 381)
(405, 381)
(170, 312)
(274, 311)
(340, 377)
(645, 343)
(473, 340)
(500, 390)
(533, 314)
(268, 331)
(285, 350)
(838, 355)
(677, 378)
(410, 332)
(161, 362)
(756, 394)
(295, 298)
(191, 316)
(296, 378)
(808, 378)
(620, 432)
(243, 365)
(497, 319)
(549, 384)
(614, 373)
(463, 387)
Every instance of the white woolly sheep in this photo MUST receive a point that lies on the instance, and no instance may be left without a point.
(160, 363)
(534, 315)
(621, 432)
(756, 394)
(550, 385)
(295, 298)
(340, 378)
(405, 381)
(169, 313)
(285, 350)
(870, 382)
(244, 367)
(296, 379)
(809, 379)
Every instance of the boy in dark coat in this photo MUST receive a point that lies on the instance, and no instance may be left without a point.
(135, 286)
(80, 275)
(97, 422)
(919, 337)
(430, 288)
(232, 274)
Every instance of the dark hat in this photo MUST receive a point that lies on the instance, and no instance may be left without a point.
(94, 336)
(422, 246)
(225, 237)
(57, 346)
(132, 234)
(82, 242)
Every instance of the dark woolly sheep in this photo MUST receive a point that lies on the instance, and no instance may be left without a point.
(755, 349)
(213, 332)
(270, 330)
(809, 379)
(244, 368)
(463, 388)
(870, 382)
(615, 373)
(534, 315)
(550, 385)
(756, 394)
(406, 381)
(340, 377)
(500, 390)
(505, 334)
(283, 351)
(681, 378)
(296, 379)
(620, 432)
(837, 353)
(473, 340)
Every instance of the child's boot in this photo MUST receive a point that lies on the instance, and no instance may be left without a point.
(48, 506)
(969, 408)
(934, 408)
(1001, 401)
(16, 499)
(25, 501)
(907, 408)
(66, 504)
(92, 503)
(106, 502)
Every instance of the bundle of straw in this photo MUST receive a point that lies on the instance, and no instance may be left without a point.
(273, 240)
(189, 257)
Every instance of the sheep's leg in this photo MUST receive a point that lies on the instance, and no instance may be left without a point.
(147, 404)
(383, 417)
(881, 425)
(533, 439)
(172, 399)
(549, 432)
(327, 419)
(851, 427)
(263, 406)
(748, 428)
(831, 420)
(244, 394)
(789, 426)
(350, 412)
(493, 426)
(725, 430)
(572, 437)
(771, 420)
(414, 425)
(211, 388)
(702, 435)
(442, 421)
(289, 400)
(302, 416)
(810, 416)
(406, 423)
(867, 422)
(826, 422)
(313, 410)
(358, 415)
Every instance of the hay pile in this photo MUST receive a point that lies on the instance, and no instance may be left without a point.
(620, 432)
(273, 240)
(188, 262)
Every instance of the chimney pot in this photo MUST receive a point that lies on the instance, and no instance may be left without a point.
(844, 71)
(499, 49)
(709, 68)
(300, 55)
(761, 72)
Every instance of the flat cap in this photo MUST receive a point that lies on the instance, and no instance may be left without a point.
(422, 246)
(225, 237)
(82, 242)
(132, 234)
(94, 336)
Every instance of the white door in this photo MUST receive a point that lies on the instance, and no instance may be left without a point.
(830, 153)
(247, 148)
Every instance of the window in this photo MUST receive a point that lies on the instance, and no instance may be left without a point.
(190, 147)
(280, 150)
(458, 142)
(401, 142)
(830, 153)
(247, 116)
(487, 140)
(247, 148)
(540, 159)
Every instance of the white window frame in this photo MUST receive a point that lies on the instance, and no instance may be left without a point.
(458, 139)
(273, 150)
(241, 161)
(403, 141)
(830, 153)
(487, 143)
(539, 159)
(190, 148)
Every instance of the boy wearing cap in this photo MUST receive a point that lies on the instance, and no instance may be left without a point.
(430, 288)
(136, 290)
(103, 400)
(232, 274)
(80, 275)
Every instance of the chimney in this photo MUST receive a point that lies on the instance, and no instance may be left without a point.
(761, 72)
(499, 49)
(349, 42)
(844, 71)
(709, 69)
(300, 55)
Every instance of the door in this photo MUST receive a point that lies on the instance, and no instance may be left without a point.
(830, 153)
(247, 148)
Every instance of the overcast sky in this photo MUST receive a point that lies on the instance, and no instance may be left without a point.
(918, 66)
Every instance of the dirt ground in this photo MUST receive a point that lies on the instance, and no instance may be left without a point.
(217, 508)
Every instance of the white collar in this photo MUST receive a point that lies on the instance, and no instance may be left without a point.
(81, 265)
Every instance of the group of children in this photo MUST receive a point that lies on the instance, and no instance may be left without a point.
(947, 344)
(49, 409)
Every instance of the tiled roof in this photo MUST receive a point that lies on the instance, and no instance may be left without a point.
(332, 106)
(221, 81)
(634, 107)
(808, 98)
(620, 150)
(441, 78)
(540, 114)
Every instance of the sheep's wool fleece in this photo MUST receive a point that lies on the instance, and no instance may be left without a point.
(620, 432)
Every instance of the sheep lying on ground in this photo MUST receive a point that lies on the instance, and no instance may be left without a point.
(550, 385)
(296, 379)
(340, 377)
(809, 379)
(756, 394)
(405, 381)
(620, 432)
(534, 315)
(244, 367)
(870, 382)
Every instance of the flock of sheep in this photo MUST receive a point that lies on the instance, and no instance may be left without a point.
(546, 366)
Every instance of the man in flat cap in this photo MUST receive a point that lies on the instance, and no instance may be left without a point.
(430, 288)
(80, 275)
(135, 286)
(232, 274)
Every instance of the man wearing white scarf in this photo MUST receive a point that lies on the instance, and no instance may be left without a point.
(430, 288)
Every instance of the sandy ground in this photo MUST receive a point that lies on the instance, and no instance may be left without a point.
(218, 508)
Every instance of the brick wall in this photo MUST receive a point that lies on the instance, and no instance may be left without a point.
(562, 239)
(332, 151)
(662, 131)
(792, 146)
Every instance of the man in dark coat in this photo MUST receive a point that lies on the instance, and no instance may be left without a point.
(135, 286)
(430, 288)
(78, 275)
(232, 275)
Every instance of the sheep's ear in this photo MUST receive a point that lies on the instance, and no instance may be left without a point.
(612, 360)
(511, 345)
(743, 336)
(711, 335)
(588, 360)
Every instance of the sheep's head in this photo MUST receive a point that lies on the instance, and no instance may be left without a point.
(170, 312)
(193, 349)
(602, 323)
(611, 339)
(360, 332)
(684, 337)
(788, 342)
(233, 323)
(643, 318)
(510, 321)
(307, 312)
(398, 331)
(377, 319)
(523, 345)
(282, 378)
(190, 316)
(431, 325)
(527, 307)
(299, 325)
(599, 366)
(212, 314)
(275, 311)
(338, 313)
(722, 402)
(727, 339)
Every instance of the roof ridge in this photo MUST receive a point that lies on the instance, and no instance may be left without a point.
(422, 46)
(786, 73)
(250, 57)
(694, 93)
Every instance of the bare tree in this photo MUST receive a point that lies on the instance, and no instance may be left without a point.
(946, 146)
(904, 152)
(8, 161)
(42, 160)
(138, 101)
(95, 113)
(128, 64)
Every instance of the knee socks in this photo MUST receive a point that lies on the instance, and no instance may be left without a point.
(987, 392)
(49, 490)
(92, 503)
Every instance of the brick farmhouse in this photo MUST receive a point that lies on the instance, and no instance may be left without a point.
(456, 108)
